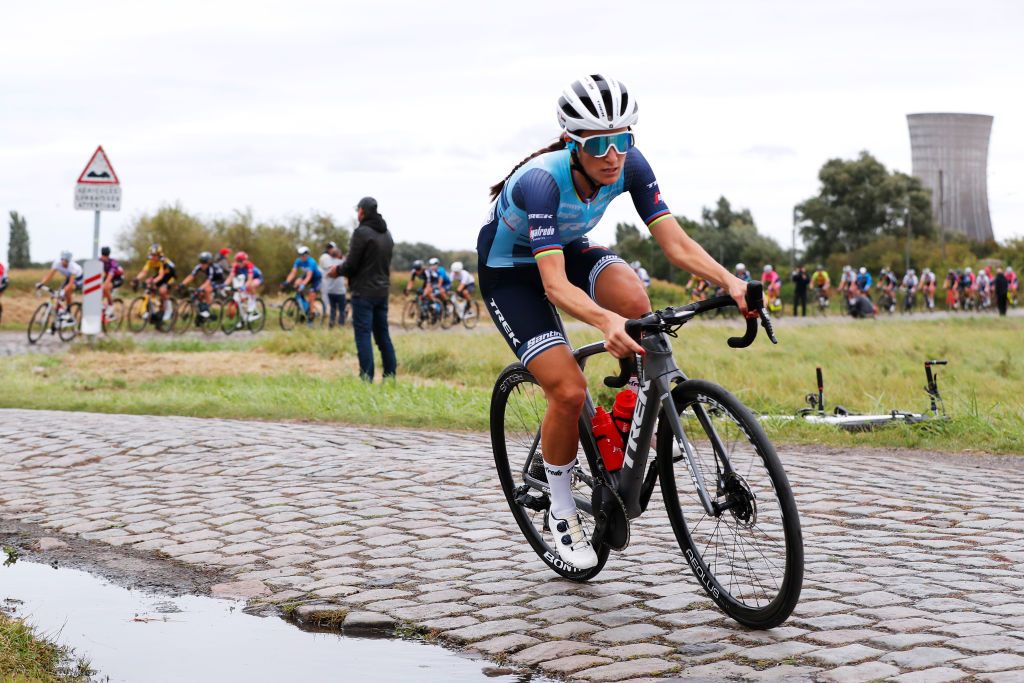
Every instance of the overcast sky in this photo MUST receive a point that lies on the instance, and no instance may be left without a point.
(291, 107)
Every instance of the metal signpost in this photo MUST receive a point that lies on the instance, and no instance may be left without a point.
(98, 189)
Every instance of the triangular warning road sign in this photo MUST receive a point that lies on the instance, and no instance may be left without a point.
(98, 171)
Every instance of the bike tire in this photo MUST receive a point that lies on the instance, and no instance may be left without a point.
(517, 407)
(768, 501)
(261, 310)
(211, 324)
(230, 317)
(186, 317)
(39, 322)
(447, 315)
(67, 333)
(290, 315)
(410, 315)
(319, 311)
(138, 314)
(471, 316)
(119, 312)
(162, 324)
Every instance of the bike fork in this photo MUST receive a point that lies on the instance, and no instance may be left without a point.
(683, 443)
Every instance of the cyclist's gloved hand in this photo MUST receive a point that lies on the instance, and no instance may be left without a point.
(618, 343)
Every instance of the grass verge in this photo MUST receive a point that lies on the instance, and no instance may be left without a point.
(25, 656)
(446, 378)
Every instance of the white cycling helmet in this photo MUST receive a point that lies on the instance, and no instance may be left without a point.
(457, 267)
(863, 270)
(634, 265)
(65, 256)
(434, 261)
(847, 269)
(1009, 269)
(768, 269)
(968, 270)
(302, 251)
(740, 266)
(596, 103)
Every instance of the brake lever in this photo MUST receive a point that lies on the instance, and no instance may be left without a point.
(766, 323)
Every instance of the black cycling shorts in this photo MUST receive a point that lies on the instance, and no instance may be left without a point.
(517, 303)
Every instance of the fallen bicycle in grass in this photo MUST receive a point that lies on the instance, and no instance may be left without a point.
(854, 422)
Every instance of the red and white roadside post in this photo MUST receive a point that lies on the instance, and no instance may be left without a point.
(98, 189)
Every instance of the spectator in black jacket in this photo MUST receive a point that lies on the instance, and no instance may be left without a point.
(368, 269)
(1002, 286)
(801, 279)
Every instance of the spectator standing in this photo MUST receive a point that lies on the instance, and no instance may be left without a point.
(368, 269)
(1002, 286)
(801, 279)
(334, 283)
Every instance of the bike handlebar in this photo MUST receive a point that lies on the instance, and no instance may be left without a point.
(669, 317)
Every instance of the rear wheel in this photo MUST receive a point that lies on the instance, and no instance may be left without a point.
(138, 314)
(471, 315)
(517, 407)
(447, 314)
(749, 558)
(166, 314)
(318, 314)
(39, 323)
(290, 315)
(259, 318)
(113, 315)
(230, 319)
(68, 328)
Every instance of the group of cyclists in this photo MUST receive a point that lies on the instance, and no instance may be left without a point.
(965, 289)
(436, 286)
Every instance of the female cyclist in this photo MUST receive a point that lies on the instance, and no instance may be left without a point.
(533, 250)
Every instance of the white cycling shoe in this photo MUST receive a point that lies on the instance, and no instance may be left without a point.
(571, 542)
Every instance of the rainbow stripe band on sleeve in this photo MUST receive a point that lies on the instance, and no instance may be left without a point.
(548, 251)
(657, 217)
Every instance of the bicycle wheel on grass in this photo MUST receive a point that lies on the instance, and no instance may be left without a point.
(39, 323)
(67, 330)
(471, 315)
(517, 408)
(138, 314)
(750, 559)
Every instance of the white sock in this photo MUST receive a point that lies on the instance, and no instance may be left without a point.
(560, 482)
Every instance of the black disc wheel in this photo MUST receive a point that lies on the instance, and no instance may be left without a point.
(69, 324)
(39, 323)
(517, 408)
(748, 556)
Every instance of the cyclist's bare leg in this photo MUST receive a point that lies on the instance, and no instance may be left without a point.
(619, 289)
(565, 389)
(69, 289)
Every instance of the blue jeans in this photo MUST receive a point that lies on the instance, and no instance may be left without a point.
(371, 315)
(337, 304)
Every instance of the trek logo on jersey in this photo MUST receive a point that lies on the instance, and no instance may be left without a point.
(541, 232)
(504, 324)
(652, 185)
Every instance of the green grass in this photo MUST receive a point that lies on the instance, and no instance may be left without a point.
(445, 379)
(26, 656)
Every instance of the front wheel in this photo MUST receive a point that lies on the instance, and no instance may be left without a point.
(471, 315)
(749, 557)
(231, 318)
(186, 317)
(69, 324)
(257, 318)
(39, 323)
(517, 408)
(113, 315)
(410, 315)
(138, 313)
(291, 314)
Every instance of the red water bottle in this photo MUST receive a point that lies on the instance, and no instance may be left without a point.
(622, 411)
(609, 441)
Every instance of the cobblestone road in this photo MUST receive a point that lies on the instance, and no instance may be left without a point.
(915, 563)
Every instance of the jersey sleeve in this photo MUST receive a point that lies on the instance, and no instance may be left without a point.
(639, 181)
(537, 193)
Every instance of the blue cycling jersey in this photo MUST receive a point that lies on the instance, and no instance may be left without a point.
(539, 212)
(864, 281)
(442, 275)
(308, 263)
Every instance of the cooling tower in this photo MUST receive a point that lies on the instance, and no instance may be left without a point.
(950, 156)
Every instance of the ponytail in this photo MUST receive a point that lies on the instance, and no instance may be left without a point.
(553, 147)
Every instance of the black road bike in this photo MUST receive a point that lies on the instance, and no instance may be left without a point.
(725, 491)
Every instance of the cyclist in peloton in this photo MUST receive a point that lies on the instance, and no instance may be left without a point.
(1011, 281)
(3, 286)
(533, 249)
(214, 278)
(927, 288)
(641, 272)
(310, 276)
(441, 281)
(72, 273)
(742, 272)
(165, 273)
(253, 279)
(113, 277)
(772, 284)
(464, 285)
(863, 281)
(821, 281)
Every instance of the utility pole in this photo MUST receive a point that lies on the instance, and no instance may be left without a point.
(906, 219)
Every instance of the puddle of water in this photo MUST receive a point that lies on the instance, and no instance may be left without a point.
(133, 636)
